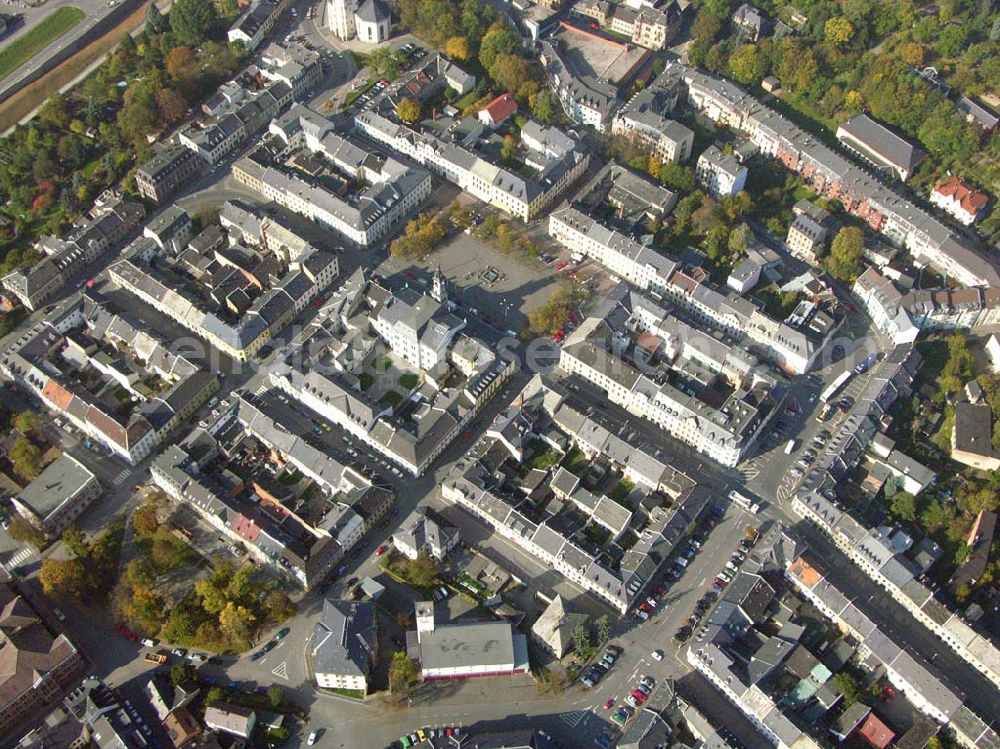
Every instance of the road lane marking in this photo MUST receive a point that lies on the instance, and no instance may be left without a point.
(281, 670)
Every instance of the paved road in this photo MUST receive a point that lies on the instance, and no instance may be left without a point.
(94, 11)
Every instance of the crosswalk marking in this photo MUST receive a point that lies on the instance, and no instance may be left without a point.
(573, 719)
(121, 478)
(20, 556)
(281, 670)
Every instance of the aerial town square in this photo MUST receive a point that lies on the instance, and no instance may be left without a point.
(499, 374)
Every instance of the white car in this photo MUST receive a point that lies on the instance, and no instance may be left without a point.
(657, 655)
(312, 738)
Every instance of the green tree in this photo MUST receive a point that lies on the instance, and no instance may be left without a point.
(602, 628)
(182, 673)
(25, 458)
(408, 110)
(677, 177)
(76, 542)
(192, 21)
(156, 22)
(706, 28)
(959, 367)
(845, 254)
(746, 65)
(849, 686)
(838, 31)
(279, 607)
(580, 635)
(276, 696)
(421, 572)
(403, 673)
(54, 113)
(27, 422)
(499, 40)
(904, 505)
(544, 107)
(385, 61)
(26, 532)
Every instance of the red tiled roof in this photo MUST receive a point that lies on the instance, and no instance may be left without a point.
(876, 732)
(57, 395)
(246, 528)
(501, 107)
(971, 200)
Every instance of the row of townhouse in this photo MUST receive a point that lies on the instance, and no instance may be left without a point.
(928, 240)
(195, 473)
(906, 670)
(111, 221)
(633, 359)
(416, 328)
(243, 106)
(478, 483)
(875, 553)
(46, 359)
(642, 120)
(647, 26)
(902, 316)
(585, 100)
(793, 344)
(553, 168)
(307, 276)
(393, 190)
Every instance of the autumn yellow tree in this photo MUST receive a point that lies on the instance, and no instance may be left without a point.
(408, 110)
(457, 48)
(838, 31)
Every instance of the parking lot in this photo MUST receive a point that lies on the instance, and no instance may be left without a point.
(466, 261)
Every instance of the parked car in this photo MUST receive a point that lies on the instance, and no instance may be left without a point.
(657, 655)
(380, 551)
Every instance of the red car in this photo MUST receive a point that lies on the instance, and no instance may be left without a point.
(558, 336)
(561, 264)
(639, 696)
(380, 551)
(660, 591)
(609, 703)
(646, 607)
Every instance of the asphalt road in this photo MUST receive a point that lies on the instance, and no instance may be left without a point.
(94, 10)
(576, 714)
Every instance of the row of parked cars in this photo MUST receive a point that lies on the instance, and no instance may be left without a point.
(718, 585)
(429, 734)
(595, 672)
(269, 645)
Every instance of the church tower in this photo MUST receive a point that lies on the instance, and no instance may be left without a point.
(439, 289)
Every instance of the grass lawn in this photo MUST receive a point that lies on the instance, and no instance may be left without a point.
(575, 463)
(290, 477)
(408, 381)
(353, 96)
(351, 694)
(544, 459)
(620, 492)
(391, 397)
(22, 49)
(468, 99)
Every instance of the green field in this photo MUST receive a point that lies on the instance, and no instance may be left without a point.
(22, 49)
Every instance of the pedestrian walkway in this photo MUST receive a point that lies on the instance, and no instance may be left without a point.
(574, 718)
(21, 556)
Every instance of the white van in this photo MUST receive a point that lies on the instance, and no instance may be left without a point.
(789, 447)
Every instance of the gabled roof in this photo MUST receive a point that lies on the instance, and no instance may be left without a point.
(501, 107)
